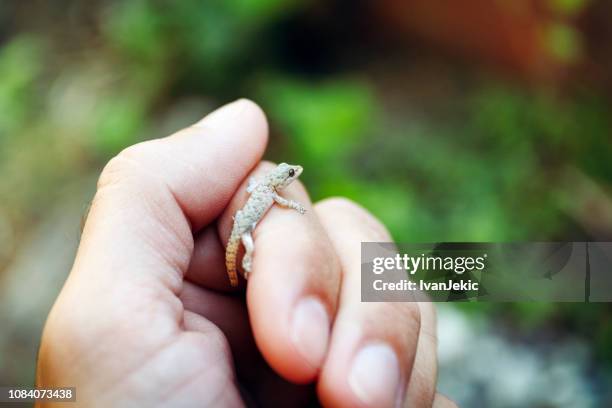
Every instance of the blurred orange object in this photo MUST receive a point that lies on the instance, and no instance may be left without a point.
(535, 39)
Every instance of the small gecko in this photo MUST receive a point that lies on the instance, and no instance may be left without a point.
(264, 193)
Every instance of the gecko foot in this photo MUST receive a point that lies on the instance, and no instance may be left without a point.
(246, 265)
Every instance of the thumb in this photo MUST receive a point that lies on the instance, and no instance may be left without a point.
(153, 195)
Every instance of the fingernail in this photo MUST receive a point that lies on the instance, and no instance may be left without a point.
(224, 114)
(375, 375)
(310, 330)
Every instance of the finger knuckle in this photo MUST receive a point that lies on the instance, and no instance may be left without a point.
(327, 265)
(399, 314)
(442, 400)
(316, 252)
(125, 165)
(342, 205)
(428, 311)
(211, 341)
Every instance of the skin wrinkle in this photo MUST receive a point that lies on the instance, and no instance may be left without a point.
(420, 386)
(432, 336)
(221, 361)
(172, 342)
(180, 230)
(419, 379)
(427, 309)
(384, 324)
(158, 294)
(175, 265)
(94, 354)
(111, 332)
(215, 398)
(137, 365)
(135, 184)
(403, 332)
(109, 329)
(197, 174)
(326, 280)
(184, 246)
(183, 234)
(172, 281)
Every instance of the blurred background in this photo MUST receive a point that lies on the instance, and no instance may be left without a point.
(484, 121)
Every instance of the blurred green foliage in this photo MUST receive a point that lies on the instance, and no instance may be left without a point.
(20, 66)
(563, 41)
(484, 170)
(568, 7)
(323, 121)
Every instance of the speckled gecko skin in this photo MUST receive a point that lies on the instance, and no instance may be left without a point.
(264, 193)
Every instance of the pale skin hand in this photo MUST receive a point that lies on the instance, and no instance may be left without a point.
(147, 316)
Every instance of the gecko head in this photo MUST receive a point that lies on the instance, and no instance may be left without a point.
(284, 174)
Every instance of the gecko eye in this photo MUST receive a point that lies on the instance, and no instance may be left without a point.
(291, 172)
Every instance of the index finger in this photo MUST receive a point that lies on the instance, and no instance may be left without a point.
(293, 288)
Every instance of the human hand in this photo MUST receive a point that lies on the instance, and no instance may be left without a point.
(147, 316)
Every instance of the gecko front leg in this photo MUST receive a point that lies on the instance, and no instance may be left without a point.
(249, 247)
(283, 202)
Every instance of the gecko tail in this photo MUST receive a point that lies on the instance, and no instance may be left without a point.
(231, 252)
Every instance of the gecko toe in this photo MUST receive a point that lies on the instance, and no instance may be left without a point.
(246, 264)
